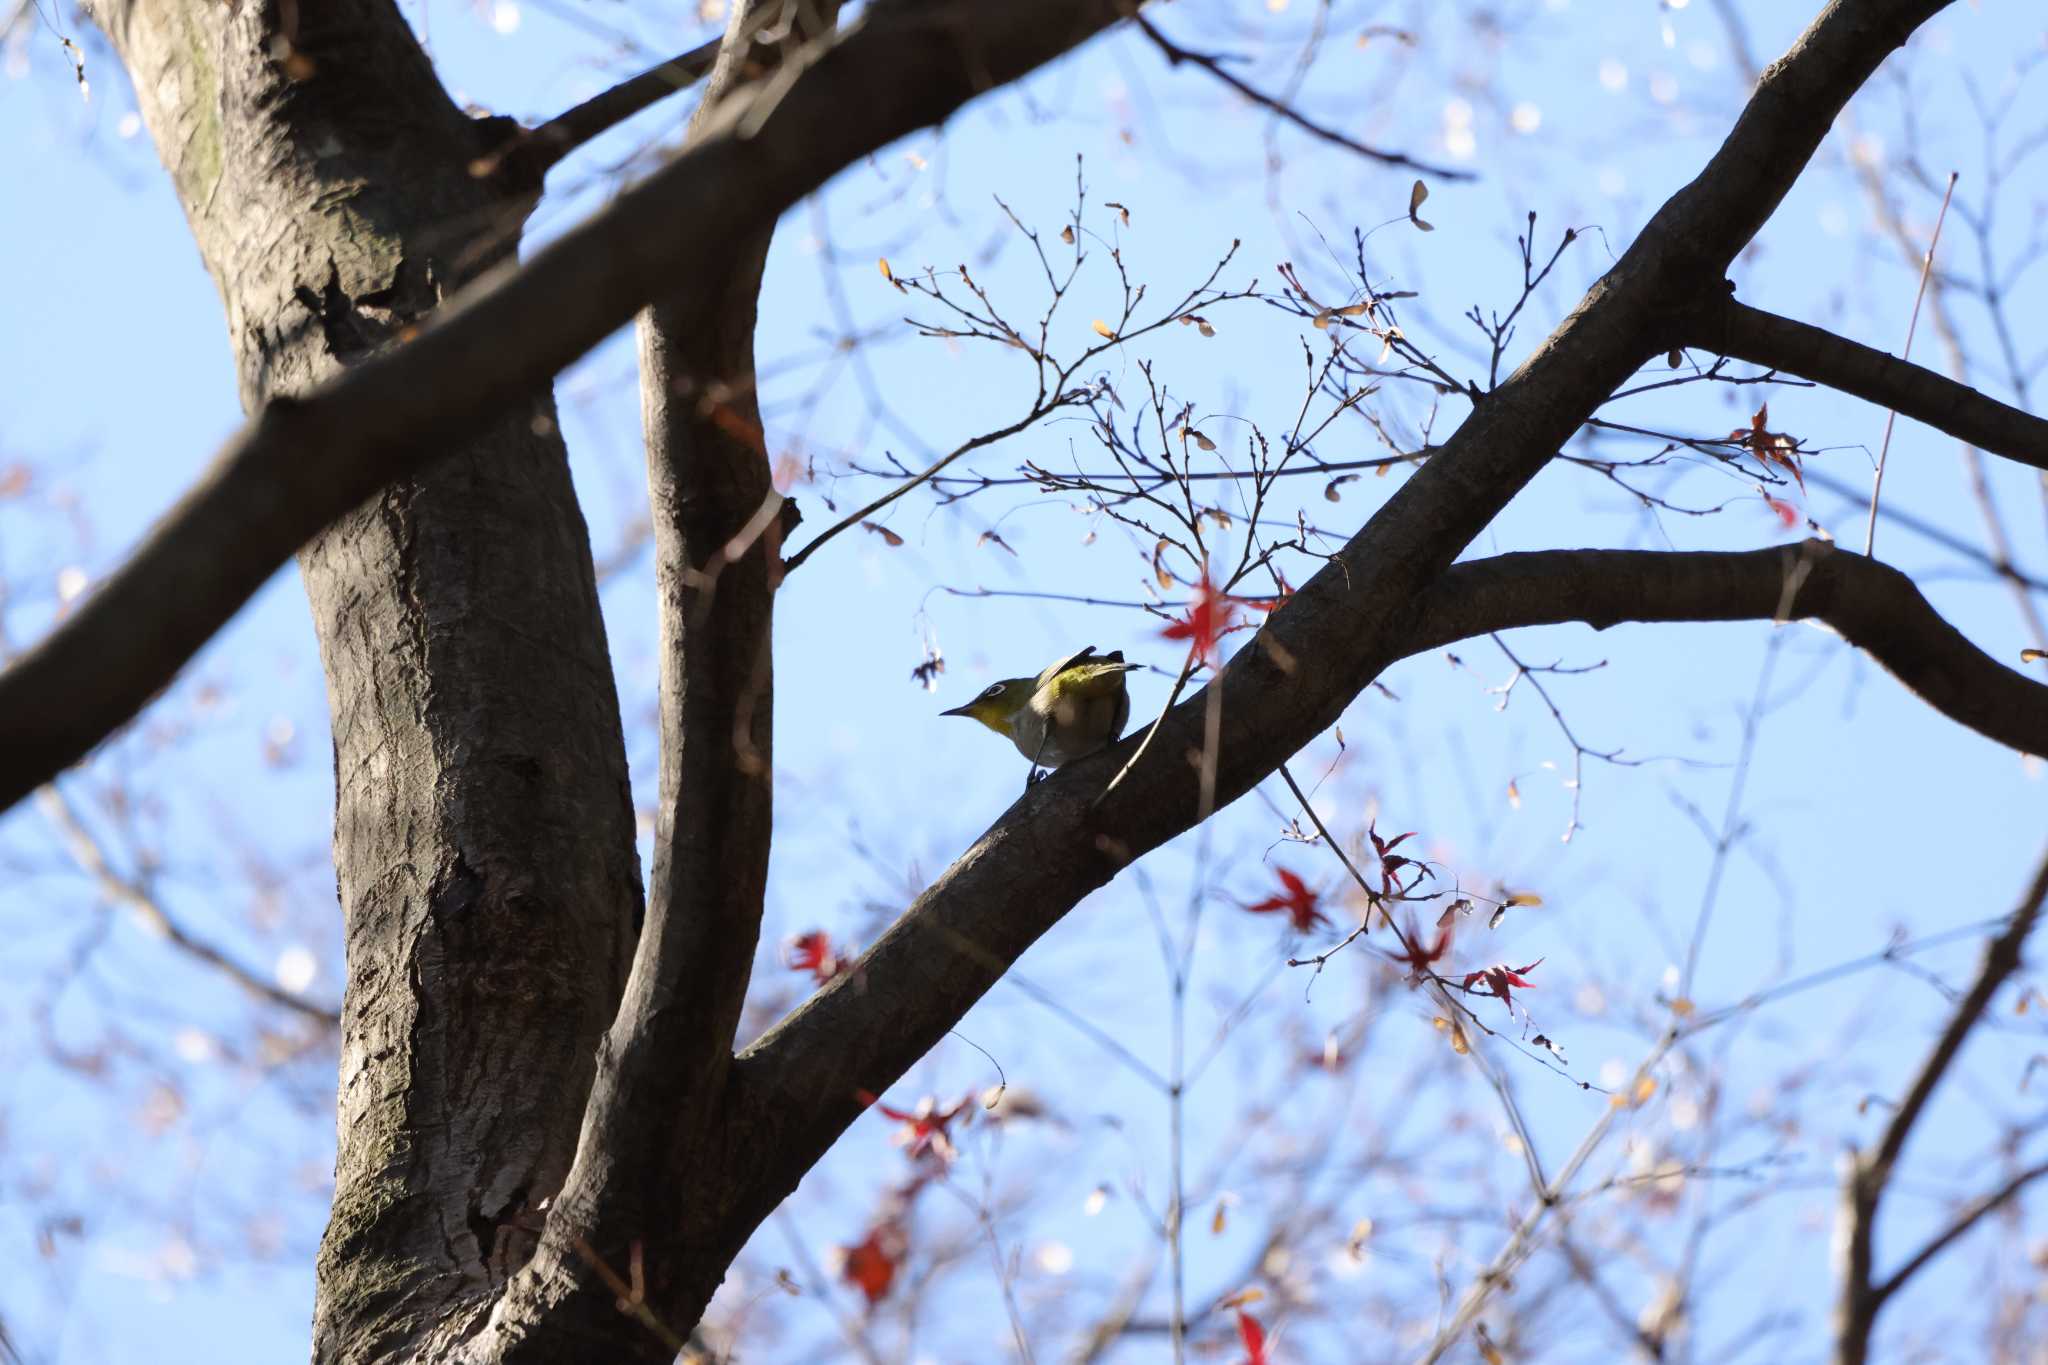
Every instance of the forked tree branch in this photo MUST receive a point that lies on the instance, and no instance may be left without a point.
(298, 464)
(799, 1084)
(1734, 329)
(1860, 1296)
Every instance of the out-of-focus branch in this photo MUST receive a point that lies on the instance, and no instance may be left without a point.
(532, 152)
(1735, 329)
(92, 860)
(1859, 1296)
(1964, 1221)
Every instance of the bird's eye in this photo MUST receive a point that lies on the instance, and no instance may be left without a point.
(995, 690)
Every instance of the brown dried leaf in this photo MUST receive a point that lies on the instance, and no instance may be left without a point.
(1102, 330)
(1415, 198)
(884, 532)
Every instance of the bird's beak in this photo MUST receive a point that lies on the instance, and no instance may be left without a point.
(957, 711)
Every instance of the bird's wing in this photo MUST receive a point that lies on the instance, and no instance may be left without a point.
(1065, 664)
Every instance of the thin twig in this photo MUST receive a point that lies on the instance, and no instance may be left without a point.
(1176, 54)
(1891, 414)
(92, 860)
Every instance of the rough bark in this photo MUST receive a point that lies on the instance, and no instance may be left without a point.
(1871, 605)
(483, 836)
(639, 1192)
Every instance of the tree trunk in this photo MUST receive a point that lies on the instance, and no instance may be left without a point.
(484, 846)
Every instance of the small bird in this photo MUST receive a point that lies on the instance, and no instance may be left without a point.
(1072, 709)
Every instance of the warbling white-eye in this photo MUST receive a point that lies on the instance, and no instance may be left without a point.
(1070, 710)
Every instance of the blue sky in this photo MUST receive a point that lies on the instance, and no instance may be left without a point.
(1866, 814)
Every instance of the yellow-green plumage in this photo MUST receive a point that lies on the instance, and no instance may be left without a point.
(1068, 711)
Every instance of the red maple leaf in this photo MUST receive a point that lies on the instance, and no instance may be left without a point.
(1500, 980)
(870, 1264)
(1253, 1335)
(1297, 900)
(1209, 617)
(1390, 864)
(923, 1136)
(814, 953)
(1417, 957)
(1771, 447)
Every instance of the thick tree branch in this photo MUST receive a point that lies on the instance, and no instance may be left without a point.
(1729, 328)
(799, 1082)
(299, 464)
(1859, 1295)
(635, 1189)
(487, 880)
(1870, 604)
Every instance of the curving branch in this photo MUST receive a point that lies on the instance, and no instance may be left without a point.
(300, 463)
(1734, 329)
(1870, 604)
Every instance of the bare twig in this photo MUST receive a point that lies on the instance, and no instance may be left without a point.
(1892, 415)
(1176, 54)
(92, 860)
